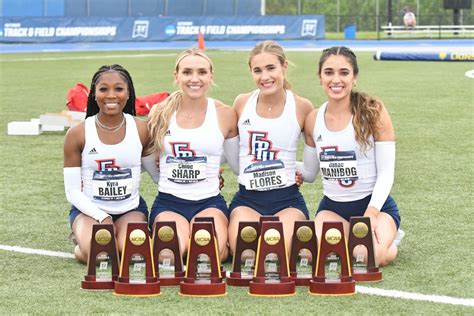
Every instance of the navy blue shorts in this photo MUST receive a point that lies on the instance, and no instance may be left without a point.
(142, 208)
(358, 208)
(165, 202)
(270, 202)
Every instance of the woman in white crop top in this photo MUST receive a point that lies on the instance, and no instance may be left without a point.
(351, 140)
(270, 121)
(107, 145)
(187, 132)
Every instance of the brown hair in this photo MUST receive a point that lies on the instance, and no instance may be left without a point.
(160, 115)
(273, 48)
(364, 108)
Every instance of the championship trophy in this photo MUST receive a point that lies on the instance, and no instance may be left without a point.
(137, 271)
(243, 265)
(203, 273)
(333, 270)
(268, 218)
(102, 264)
(362, 262)
(304, 250)
(272, 273)
(166, 254)
(211, 219)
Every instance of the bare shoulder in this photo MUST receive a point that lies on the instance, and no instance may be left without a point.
(385, 127)
(142, 129)
(224, 109)
(240, 101)
(77, 132)
(141, 123)
(303, 104)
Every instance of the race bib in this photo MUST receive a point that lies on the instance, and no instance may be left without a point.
(338, 165)
(186, 169)
(112, 185)
(265, 175)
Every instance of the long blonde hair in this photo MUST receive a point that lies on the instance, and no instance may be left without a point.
(365, 108)
(273, 48)
(160, 114)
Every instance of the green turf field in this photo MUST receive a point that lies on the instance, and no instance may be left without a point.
(431, 105)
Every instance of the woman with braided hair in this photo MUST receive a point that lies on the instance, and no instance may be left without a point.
(351, 140)
(103, 159)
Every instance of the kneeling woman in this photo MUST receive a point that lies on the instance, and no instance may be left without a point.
(351, 139)
(188, 131)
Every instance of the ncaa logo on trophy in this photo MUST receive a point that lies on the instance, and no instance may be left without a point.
(140, 29)
(309, 27)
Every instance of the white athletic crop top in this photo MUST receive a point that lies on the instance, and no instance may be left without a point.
(189, 165)
(267, 147)
(348, 173)
(111, 173)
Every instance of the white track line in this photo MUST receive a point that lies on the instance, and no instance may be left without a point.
(37, 251)
(86, 57)
(416, 296)
(360, 289)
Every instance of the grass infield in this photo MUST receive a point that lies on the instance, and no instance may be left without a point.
(431, 105)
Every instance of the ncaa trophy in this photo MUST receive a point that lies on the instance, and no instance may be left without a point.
(102, 264)
(211, 219)
(203, 273)
(272, 273)
(243, 264)
(362, 263)
(333, 270)
(166, 254)
(304, 250)
(137, 271)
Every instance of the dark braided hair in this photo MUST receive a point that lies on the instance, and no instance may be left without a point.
(93, 108)
(365, 109)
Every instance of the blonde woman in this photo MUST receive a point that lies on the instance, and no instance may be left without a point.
(188, 132)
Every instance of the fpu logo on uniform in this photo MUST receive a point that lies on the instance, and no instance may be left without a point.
(140, 29)
(309, 27)
(182, 150)
(107, 164)
(260, 147)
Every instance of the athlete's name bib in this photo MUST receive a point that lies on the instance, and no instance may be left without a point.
(112, 185)
(186, 169)
(265, 175)
(338, 165)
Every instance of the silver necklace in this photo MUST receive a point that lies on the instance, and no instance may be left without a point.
(107, 129)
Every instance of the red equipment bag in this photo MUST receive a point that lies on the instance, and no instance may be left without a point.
(77, 97)
(144, 104)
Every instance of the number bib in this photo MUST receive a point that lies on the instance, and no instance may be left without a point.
(338, 165)
(265, 175)
(186, 169)
(112, 185)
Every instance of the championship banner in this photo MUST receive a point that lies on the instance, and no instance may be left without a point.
(144, 29)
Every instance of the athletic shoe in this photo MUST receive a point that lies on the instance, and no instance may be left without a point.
(399, 237)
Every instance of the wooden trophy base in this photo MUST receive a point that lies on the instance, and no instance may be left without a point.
(299, 281)
(375, 276)
(90, 284)
(317, 287)
(202, 289)
(172, 281)
(286, 287)
(235, 279)
(138, 289)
